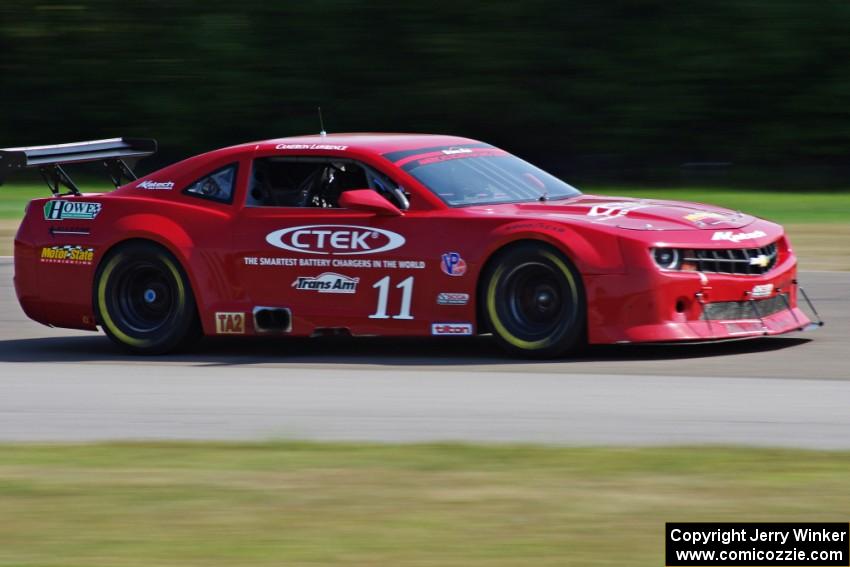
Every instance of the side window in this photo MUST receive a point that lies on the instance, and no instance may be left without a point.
(217, 186)
(302, 182)
(313, 182)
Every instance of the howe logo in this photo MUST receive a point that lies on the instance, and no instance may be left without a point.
(335, 240)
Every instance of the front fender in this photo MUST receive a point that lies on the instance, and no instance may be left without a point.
(591, 251)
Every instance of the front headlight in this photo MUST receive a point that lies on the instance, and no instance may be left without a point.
(666, 258)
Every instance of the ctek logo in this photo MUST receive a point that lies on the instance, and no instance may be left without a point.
(456, 329)
(327, 283)
(230, 323)
(77, 210)
(335, 240)
(156, 185)
(733, 237)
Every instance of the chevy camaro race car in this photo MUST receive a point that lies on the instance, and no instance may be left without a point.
(385, 234)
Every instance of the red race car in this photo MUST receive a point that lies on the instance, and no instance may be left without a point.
(385, 234)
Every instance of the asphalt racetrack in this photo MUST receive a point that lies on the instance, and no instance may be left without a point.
(60, 385)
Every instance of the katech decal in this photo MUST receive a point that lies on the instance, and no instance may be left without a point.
(456, 329)
(762, 290)
(68, 254)
(227, 323)
(309, 147)
(452, 264)
(62, 209)
(156, 185)
(327, 282)
(615, 210)
(450, 298)
(335, 240)
(737, 237)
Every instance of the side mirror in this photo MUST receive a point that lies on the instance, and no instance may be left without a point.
(367, 200)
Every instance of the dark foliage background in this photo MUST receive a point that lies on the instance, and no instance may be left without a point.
(626, 87)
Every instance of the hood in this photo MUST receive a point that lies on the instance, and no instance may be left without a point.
(640, 214)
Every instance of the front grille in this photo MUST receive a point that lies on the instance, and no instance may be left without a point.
(723, 310)
(745, 261)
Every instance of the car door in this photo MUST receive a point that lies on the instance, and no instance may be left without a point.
(333, 267)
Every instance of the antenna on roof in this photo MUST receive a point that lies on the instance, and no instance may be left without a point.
(321, 124)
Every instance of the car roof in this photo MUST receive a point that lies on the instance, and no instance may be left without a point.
(367, 142)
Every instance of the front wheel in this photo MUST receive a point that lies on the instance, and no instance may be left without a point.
(143, 299)
(534, 301)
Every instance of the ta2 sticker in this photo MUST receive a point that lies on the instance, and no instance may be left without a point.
(230, 323)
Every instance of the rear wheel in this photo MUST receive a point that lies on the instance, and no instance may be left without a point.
(534, 301)
(143, 299)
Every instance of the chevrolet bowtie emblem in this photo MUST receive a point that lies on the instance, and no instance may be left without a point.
(761, 261)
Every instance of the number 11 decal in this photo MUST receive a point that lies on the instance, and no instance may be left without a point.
(383, 287)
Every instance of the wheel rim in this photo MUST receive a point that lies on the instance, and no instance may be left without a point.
(535, 301)
(143, 296)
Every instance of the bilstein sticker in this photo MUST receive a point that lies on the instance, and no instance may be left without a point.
(335, 240)
(61, 209)
(450, 298)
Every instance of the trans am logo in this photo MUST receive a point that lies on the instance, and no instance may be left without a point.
(335, 239)
(62, 209)
(328, 282)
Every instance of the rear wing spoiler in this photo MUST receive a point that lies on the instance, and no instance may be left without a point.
(113, 153)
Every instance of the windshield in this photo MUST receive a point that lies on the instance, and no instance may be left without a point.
(483, 175)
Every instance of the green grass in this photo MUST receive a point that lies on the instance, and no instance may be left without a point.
(345, 504)
(14, 197)
(779, 206)
(783, 207)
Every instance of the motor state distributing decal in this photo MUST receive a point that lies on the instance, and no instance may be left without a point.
(452, 264)
(456, 329)
(156, 185)
(739, 236)
(327, 282)
(335, 240)
(61, 209)
(450, 298)
(68, 254)
(230, 323)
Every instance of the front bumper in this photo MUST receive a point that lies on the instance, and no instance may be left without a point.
(650, 305)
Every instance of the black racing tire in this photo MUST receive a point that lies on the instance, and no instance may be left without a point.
(534, 301)
(143, 299)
